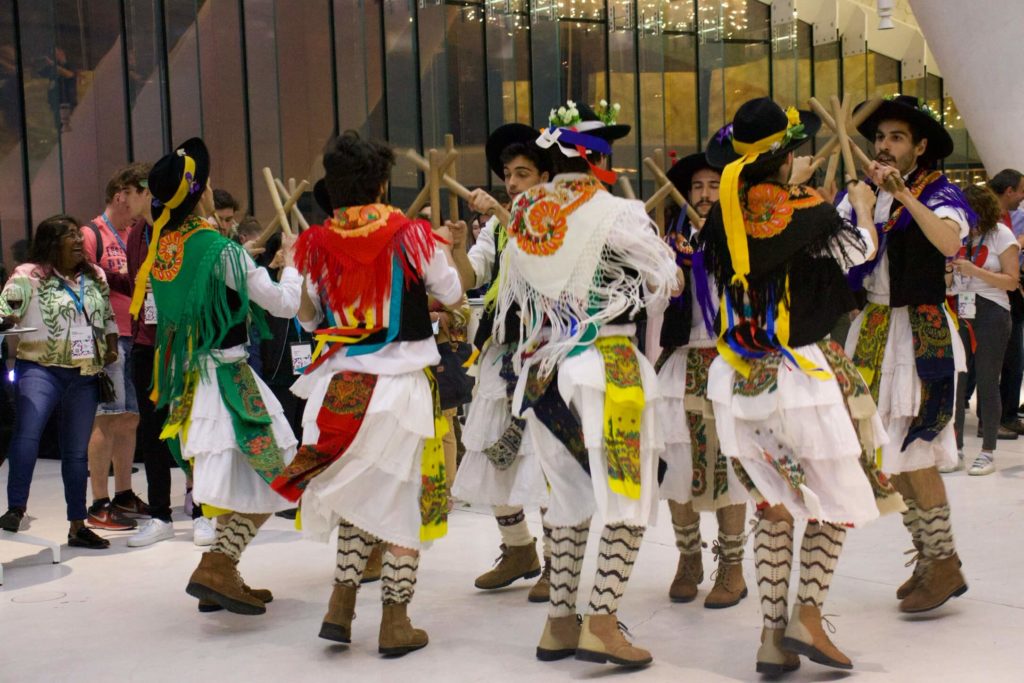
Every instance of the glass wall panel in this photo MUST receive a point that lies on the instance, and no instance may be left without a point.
(584, 64)
(359, 62)
(146, 82)
(264, 98)
(186, 105)
(826, 81)
(856, 77)
(636, 69)
(681, 123)
(14, 225)
(508, 63)
(403, 94)
(883, 75)
(465, 96)
(791, 64)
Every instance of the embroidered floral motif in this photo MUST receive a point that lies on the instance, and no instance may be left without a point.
(789, 468)
(698, 362)
(764, 376)
(768, 208)
(698, 452)
(359, 221)
(170, 254)
(539, 215)
(867, 357)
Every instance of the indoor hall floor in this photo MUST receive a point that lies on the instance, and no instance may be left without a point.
(122, 614)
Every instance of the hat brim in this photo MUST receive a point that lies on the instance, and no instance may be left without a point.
(610, 133)
(682, 171)
(195, 148)
(940, 143)
(501, 138)
(720, 153)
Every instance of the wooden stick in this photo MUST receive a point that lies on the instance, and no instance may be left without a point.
(273, 226)
(830, 121)
(860, 117)
(658, 162)
(663, 180)
(830, 171)
(453, 200)
(499, 211)
(296, 212)
(626, 187)
(276, 200)
(424, 196)
(658, 198)
(839, 111)
(434, 183)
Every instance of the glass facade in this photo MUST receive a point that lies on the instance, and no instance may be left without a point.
(89, 85)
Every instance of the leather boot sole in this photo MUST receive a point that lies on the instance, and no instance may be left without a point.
(723, 605)
(682, 600)
(955, 594)
(538, 598)
(400, 650)
(772, 670)
(812, 653)
(532, 574)
(207, 607)
(554, 655)
(604, 658)
(198, 590)
(338, 634)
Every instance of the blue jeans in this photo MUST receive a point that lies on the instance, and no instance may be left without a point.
(41, 389)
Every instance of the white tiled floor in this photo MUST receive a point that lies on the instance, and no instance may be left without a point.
(122, 614)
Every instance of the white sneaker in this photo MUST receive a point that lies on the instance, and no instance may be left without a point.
(982, 465)
(152, 530)
(203, 531)
(946, 469)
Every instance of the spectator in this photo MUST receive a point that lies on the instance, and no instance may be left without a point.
(68, 302)
(225, 206)
(984, 271)
(113, 436)
(1008, 186)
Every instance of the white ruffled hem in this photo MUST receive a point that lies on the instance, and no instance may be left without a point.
(521, 484)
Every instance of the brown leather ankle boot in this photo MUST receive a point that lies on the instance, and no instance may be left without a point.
(397, 635)
(341, 610)
(217, 580)
(560, 637)
(908, 586)
(516, 562)
(805, 636)
(729, 588)
(602, 641)
(689, 574)
(940, 581)
(772, 660)
(541, 591)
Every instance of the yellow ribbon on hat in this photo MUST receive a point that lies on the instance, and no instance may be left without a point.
(732, 212)
(139, 295)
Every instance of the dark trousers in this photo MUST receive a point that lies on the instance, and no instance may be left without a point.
(991, 327)
(41, 389)
(292, 405)
(155, 453)
(1013, 371)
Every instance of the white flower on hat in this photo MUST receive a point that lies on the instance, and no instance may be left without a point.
(561, 111)
(572, 105)
(604, 103)
(617, 106)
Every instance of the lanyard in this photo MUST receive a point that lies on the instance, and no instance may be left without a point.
(972, 252)
(79, 298)
(298, 327)
(124, 247)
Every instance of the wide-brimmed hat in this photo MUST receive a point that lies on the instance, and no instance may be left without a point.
(761, 125)
(916, 112)
(177, 182)
(502, 138)
(578, 125)
(681, 173)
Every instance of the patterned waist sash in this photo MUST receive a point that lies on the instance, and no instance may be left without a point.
(933, 359)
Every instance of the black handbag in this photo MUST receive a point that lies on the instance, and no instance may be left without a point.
(105, 385)
(454, 385)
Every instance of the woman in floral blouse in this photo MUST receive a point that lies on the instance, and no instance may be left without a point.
(65, 302)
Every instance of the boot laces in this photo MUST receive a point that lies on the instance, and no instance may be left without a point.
(502, 556)
(719, 553)
(915, 556)
(624, 629)
(828, 624)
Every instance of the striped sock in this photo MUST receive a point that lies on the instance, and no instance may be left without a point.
(687, 537)
(568, 544)
(234, 535)
(773, 562)
(936, 533)
(819, 555)
(354, 548)
(398, 578)
(512, 525)
(616, 555)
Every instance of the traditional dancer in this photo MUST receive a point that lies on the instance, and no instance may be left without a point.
(903, 342)
(697, 477)
(579, 265)
(371, 467)
(224, 422)
(790, 409)
(499, 468)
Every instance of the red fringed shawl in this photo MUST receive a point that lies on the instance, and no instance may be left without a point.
(350, 256)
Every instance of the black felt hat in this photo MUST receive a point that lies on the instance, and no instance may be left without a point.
(322, 197)
(178, 181)
(502, 137)
(606, 132)
(756, 120)
(913, 110)
(681, 173)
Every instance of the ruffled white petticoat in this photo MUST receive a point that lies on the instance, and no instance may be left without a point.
(899, 397)
(574, 495)
(478, 480)
(806, 418)
(375, 484)
(222, 476)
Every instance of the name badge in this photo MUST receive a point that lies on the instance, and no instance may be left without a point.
(149, 310)
(82, 344)
(967, 305)
(436, 325)
(302, 356)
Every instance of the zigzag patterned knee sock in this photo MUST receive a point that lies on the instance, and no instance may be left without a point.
(819, 555)
(617, 553)
(936, 533)
(773, 561)
(568, 544)
(234, 535)
(398, 578)
(354, 548)
(687, 537)
(547, 536)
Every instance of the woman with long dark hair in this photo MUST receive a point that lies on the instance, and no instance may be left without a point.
(65, 303)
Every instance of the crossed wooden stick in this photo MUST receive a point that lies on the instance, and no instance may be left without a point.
(841, 121)
(277, 192)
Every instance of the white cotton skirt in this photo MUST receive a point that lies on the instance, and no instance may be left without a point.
(807, 419)
(478, 481)
(375, 484)
(574, 495)
(683, 477)
(899, 397)
(221, 474)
